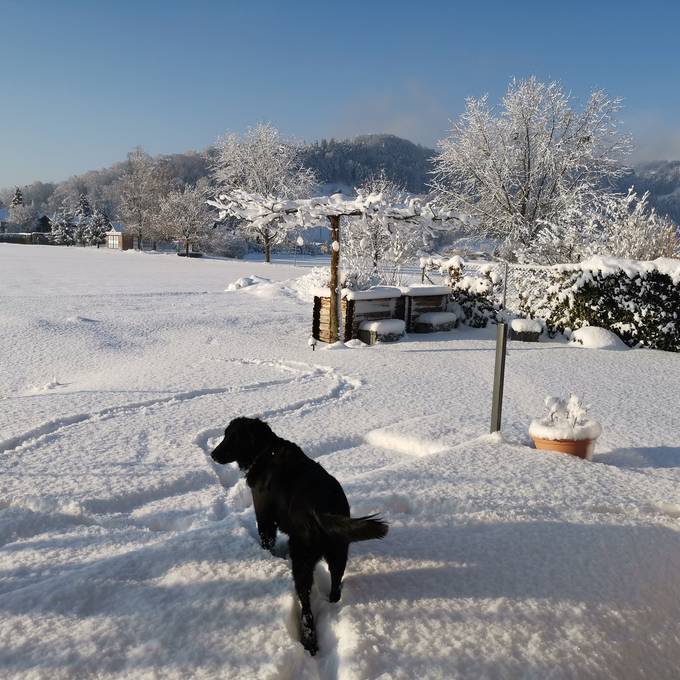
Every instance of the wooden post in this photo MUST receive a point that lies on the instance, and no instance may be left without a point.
(499, 376)
(335, 284)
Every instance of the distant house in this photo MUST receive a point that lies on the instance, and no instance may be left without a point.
(43, 225)
(118, 239)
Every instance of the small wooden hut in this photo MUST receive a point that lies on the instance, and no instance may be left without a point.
(119, 240)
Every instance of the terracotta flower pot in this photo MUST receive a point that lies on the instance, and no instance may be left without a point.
(581, 448)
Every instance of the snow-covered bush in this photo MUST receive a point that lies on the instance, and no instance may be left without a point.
(565, 419)
(594, 337)
(637, 300)
(219, 241)
(473, 296)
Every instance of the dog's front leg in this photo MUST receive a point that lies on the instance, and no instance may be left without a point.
(266, 521)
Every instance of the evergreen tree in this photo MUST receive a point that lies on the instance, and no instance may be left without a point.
(97, 227)
(17, 199)
(62, 229)
(84, 209)
(22, 216)
(81, 220)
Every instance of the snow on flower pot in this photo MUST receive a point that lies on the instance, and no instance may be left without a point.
(565, 428)
(525, 330)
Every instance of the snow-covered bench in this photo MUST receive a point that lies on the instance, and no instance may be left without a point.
(383, 330)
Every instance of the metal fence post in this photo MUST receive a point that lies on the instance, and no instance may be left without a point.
(499, 376)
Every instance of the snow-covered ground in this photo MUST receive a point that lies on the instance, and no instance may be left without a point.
(127, 554)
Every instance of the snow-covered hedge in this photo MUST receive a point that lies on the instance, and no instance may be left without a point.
(639, 301)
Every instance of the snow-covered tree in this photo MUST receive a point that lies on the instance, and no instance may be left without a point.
(142, 187)
(81, 220)
(17, 198)
(97, 227)
(260, 167)
(21, 215)
(62, 228)
(84, 209)
(184, 217)
(377, 245)
(536, 161)
(620, 225)
(634, 230)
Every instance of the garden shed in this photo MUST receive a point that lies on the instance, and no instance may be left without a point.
(119, 240)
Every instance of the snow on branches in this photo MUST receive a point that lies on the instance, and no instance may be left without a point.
(256, 175)
(537, 161)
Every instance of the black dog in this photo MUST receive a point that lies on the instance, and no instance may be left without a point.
(295, 494)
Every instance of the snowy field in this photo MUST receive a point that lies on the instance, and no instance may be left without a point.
(127, 554)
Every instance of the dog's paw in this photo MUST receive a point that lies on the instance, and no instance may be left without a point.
(334, 595)
(308, 634)
(309, 642)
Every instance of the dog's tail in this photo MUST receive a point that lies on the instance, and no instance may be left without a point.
(353, 528)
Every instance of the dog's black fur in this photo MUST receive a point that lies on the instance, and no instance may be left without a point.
(296, 495)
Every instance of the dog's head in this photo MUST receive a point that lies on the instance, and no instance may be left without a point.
(244, 440)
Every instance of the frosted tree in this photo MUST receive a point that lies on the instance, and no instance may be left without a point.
(97, 227)
(634, 230)
(81, 219)
(142, 187)
(368, 237)
(62, 228)
(260, 167)
(21, 216)
(378, 243)
(535, 161)
(184, 217)
(621, 225)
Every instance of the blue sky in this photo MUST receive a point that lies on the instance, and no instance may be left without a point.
(83, 82)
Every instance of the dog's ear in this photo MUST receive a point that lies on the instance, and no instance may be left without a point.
(260, 432)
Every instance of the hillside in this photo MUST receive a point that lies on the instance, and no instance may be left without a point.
(340, 164)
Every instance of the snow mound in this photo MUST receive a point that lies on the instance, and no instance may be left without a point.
(594, 337)
(526, 325)
(245, 282)
(335, 345)
(437, 318)
(307, 286)
(355, 343)
(383, 326)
